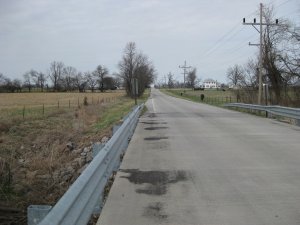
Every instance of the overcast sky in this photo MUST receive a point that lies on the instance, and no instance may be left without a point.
(208, 34)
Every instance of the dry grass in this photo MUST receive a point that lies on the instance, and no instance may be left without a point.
(18, 100)
(36, 145)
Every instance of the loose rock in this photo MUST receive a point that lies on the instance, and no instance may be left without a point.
(70, 146)
(104, 139)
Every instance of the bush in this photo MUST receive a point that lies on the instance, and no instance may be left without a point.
(202, 97)
(85, 101)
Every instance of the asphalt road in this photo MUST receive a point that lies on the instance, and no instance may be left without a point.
(194, 164)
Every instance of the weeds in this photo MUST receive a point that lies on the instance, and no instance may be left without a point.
(35, 147)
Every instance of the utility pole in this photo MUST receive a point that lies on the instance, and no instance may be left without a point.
(184, 67)
(135, 90)
(260, 31)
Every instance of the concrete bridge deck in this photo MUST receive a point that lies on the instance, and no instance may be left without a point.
(194, 164)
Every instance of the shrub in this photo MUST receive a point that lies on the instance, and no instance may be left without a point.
(202, 97)
(85, 101)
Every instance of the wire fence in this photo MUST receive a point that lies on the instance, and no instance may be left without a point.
(53, 107)
(218, 100)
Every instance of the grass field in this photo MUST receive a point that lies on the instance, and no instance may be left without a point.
(38, 104)
(213, 97)
(36, 144)
(17, 100)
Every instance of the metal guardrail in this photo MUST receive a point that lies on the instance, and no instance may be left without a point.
(293, 113)
(77, 204)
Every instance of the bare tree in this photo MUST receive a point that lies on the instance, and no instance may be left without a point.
(144, 72)
(5, 84)
(289, 57)
(39, 79)
(100, 73)
(117, 80)
(2, 81)
(56, 72)
(127, 66)
(17, 85)
(248, 82)
(29, 79)
(235, 75)
(250, 74)
(191, 78)
(80, 82)
(68, 78)
(91, 81)
(135, 65)
(280, 54)
(170, 80)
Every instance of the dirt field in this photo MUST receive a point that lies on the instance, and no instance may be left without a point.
(43, 152)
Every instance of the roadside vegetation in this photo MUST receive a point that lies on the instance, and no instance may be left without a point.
(50, 120)
(212, 97)
(278, 66)
(219, 98)
(42, 154)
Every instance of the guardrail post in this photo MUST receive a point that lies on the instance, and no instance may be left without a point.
(36, 213)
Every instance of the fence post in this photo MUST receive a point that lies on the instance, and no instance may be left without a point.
(78, 102)
(43, 109)
(23, 111)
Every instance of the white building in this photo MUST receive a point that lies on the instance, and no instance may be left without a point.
(210, 83)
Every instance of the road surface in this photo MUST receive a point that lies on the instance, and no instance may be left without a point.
(194, 164)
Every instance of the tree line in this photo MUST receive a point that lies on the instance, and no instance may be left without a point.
(134, 64)
(191, 80)
(280, 60)
(61, 78)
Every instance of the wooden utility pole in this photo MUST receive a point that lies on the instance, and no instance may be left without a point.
(184, 67)
(260, 31)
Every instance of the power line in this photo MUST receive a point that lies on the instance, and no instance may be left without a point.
(220, 39)
(215, 45)
(230, 37)
(283, 3)
(226, 36)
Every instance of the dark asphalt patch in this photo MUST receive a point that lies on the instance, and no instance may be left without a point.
(158, 181)
(155, 211)
(156, 128)
(155, 123)
(151, 115)
(155, 138)
(153, 190)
